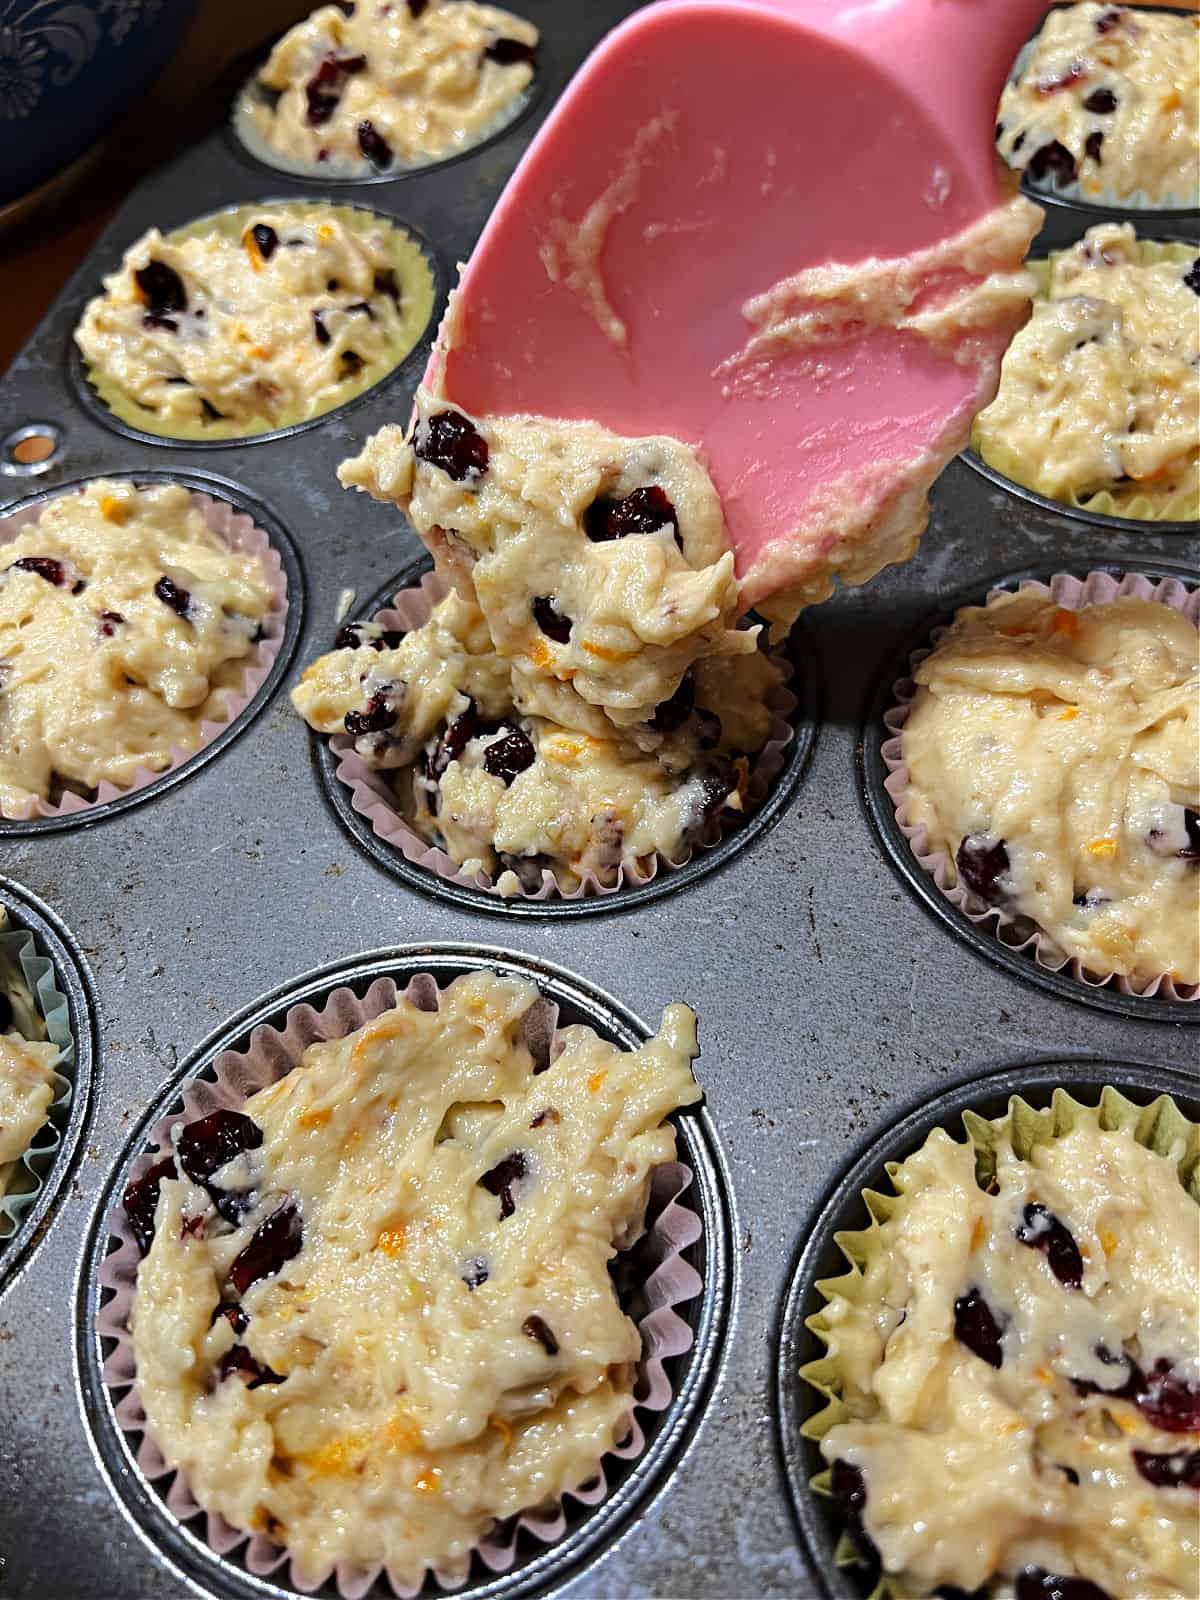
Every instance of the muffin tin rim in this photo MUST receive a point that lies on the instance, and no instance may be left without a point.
(109, 261)
(710, 1196)
(75, 983)
(793, 1400)
(806, 685)
(881, 811)
(233, 493)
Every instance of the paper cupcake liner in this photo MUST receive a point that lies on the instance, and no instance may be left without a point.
(1160, 1126)
(664, 1279)
(1180, 507)
(1135, 200)
(240, 533)
(25, 1184)
(373, 798)
(1097, 588)
(412, 268)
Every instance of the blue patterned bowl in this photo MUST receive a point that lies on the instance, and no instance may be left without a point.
(68, 68)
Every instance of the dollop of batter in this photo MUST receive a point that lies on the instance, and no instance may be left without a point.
(1054, 757)
(124, 620)
(1099, 392)
(600, 564)
(242, 324)
(406, 1327)
(1109, 98)
(505, 790)
(27, 1062)
(362, 88)
(1020, 1370)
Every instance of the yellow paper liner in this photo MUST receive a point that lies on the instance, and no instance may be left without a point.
(1160, 1126)
(413, 271)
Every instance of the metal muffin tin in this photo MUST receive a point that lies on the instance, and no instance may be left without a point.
(827, 995)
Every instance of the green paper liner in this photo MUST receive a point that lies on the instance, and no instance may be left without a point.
(1160, 1126)
(1182, 506)
(413, 269)
(25, 1183)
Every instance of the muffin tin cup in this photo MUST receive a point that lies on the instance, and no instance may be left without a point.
(1102, 521)
(992, 930)
(239, 524)
(123, 415)
(804, 1378)
(55, 974)
(364, 801)
(680, 1260)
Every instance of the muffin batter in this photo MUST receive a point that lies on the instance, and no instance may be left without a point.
(600, 563)
(365, 87)
(505, 791)
(1099, 392)
(1020, 1372)
(124, 620)
(27, 1063)
(1054, 757)
(252, 320)
(407, 1327)
(1109, 98)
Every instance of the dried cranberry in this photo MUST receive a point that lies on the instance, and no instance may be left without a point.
(534, 1328)
(977, 1328)
(385, 283)
(275, 1242)
(360, 308)
(1035, 1584)
(352, 363)
(642, 511)
(476, 1272)
(1192, 276)
(1102, 101)
(140, 1201)
(373, 145)
(1191, 821)
(509, 756)
(193, 1227)
(171, 594)
(205, 1146)
(454, 741)
(350, 637)
(1181, 1470)
(453, 443)
(416, 7)
(110, 621)
(1069, 1474)
(980, 864)
(320, 331)
(507, 52)
(551, 620)
(1092, 144)
(266, 239)
(1128, 1390)
(325, 88)
(210, 411)
(153, 320)
(500, 1179)
(1169, 1401)
(849, 1491)
(1108, 20)
(45, 566)
(162, 288)
(234, 1315)
(238, 1359)
(1052, 163)
(377, 718)
(670, 715)
(1042, 1230)
(1055, 81)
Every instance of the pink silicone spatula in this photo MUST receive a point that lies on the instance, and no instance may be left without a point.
(707, 150)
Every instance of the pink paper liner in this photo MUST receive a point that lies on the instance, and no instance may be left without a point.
(1097, 588)
(271, 1054)
(372, 796)
(240, 533)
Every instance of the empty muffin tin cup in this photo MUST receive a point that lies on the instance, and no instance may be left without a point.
(242, 534)
(1017, 933)
(1029, 1106)
(373, 798)
(660, 1277)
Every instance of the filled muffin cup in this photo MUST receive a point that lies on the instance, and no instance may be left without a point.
(1015, 932)
(373, 798)
(408, 256)
(651, 1269)
(20, 947)
(1140, 513)
(811, 1407)
(242, 534)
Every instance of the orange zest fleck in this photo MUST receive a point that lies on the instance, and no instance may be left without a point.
(252, 250)
(595, 1079)
(390, 1027)
(428, 1481)
(1064, 621)
(1102, 849)
(1068, 714)
(502, 1428)
(114, 510)
(391, 1240)
(605, 652)
(400, 1432)
(539, 653)
(978, 1229)
(1108, 1240)
(315, 1119)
